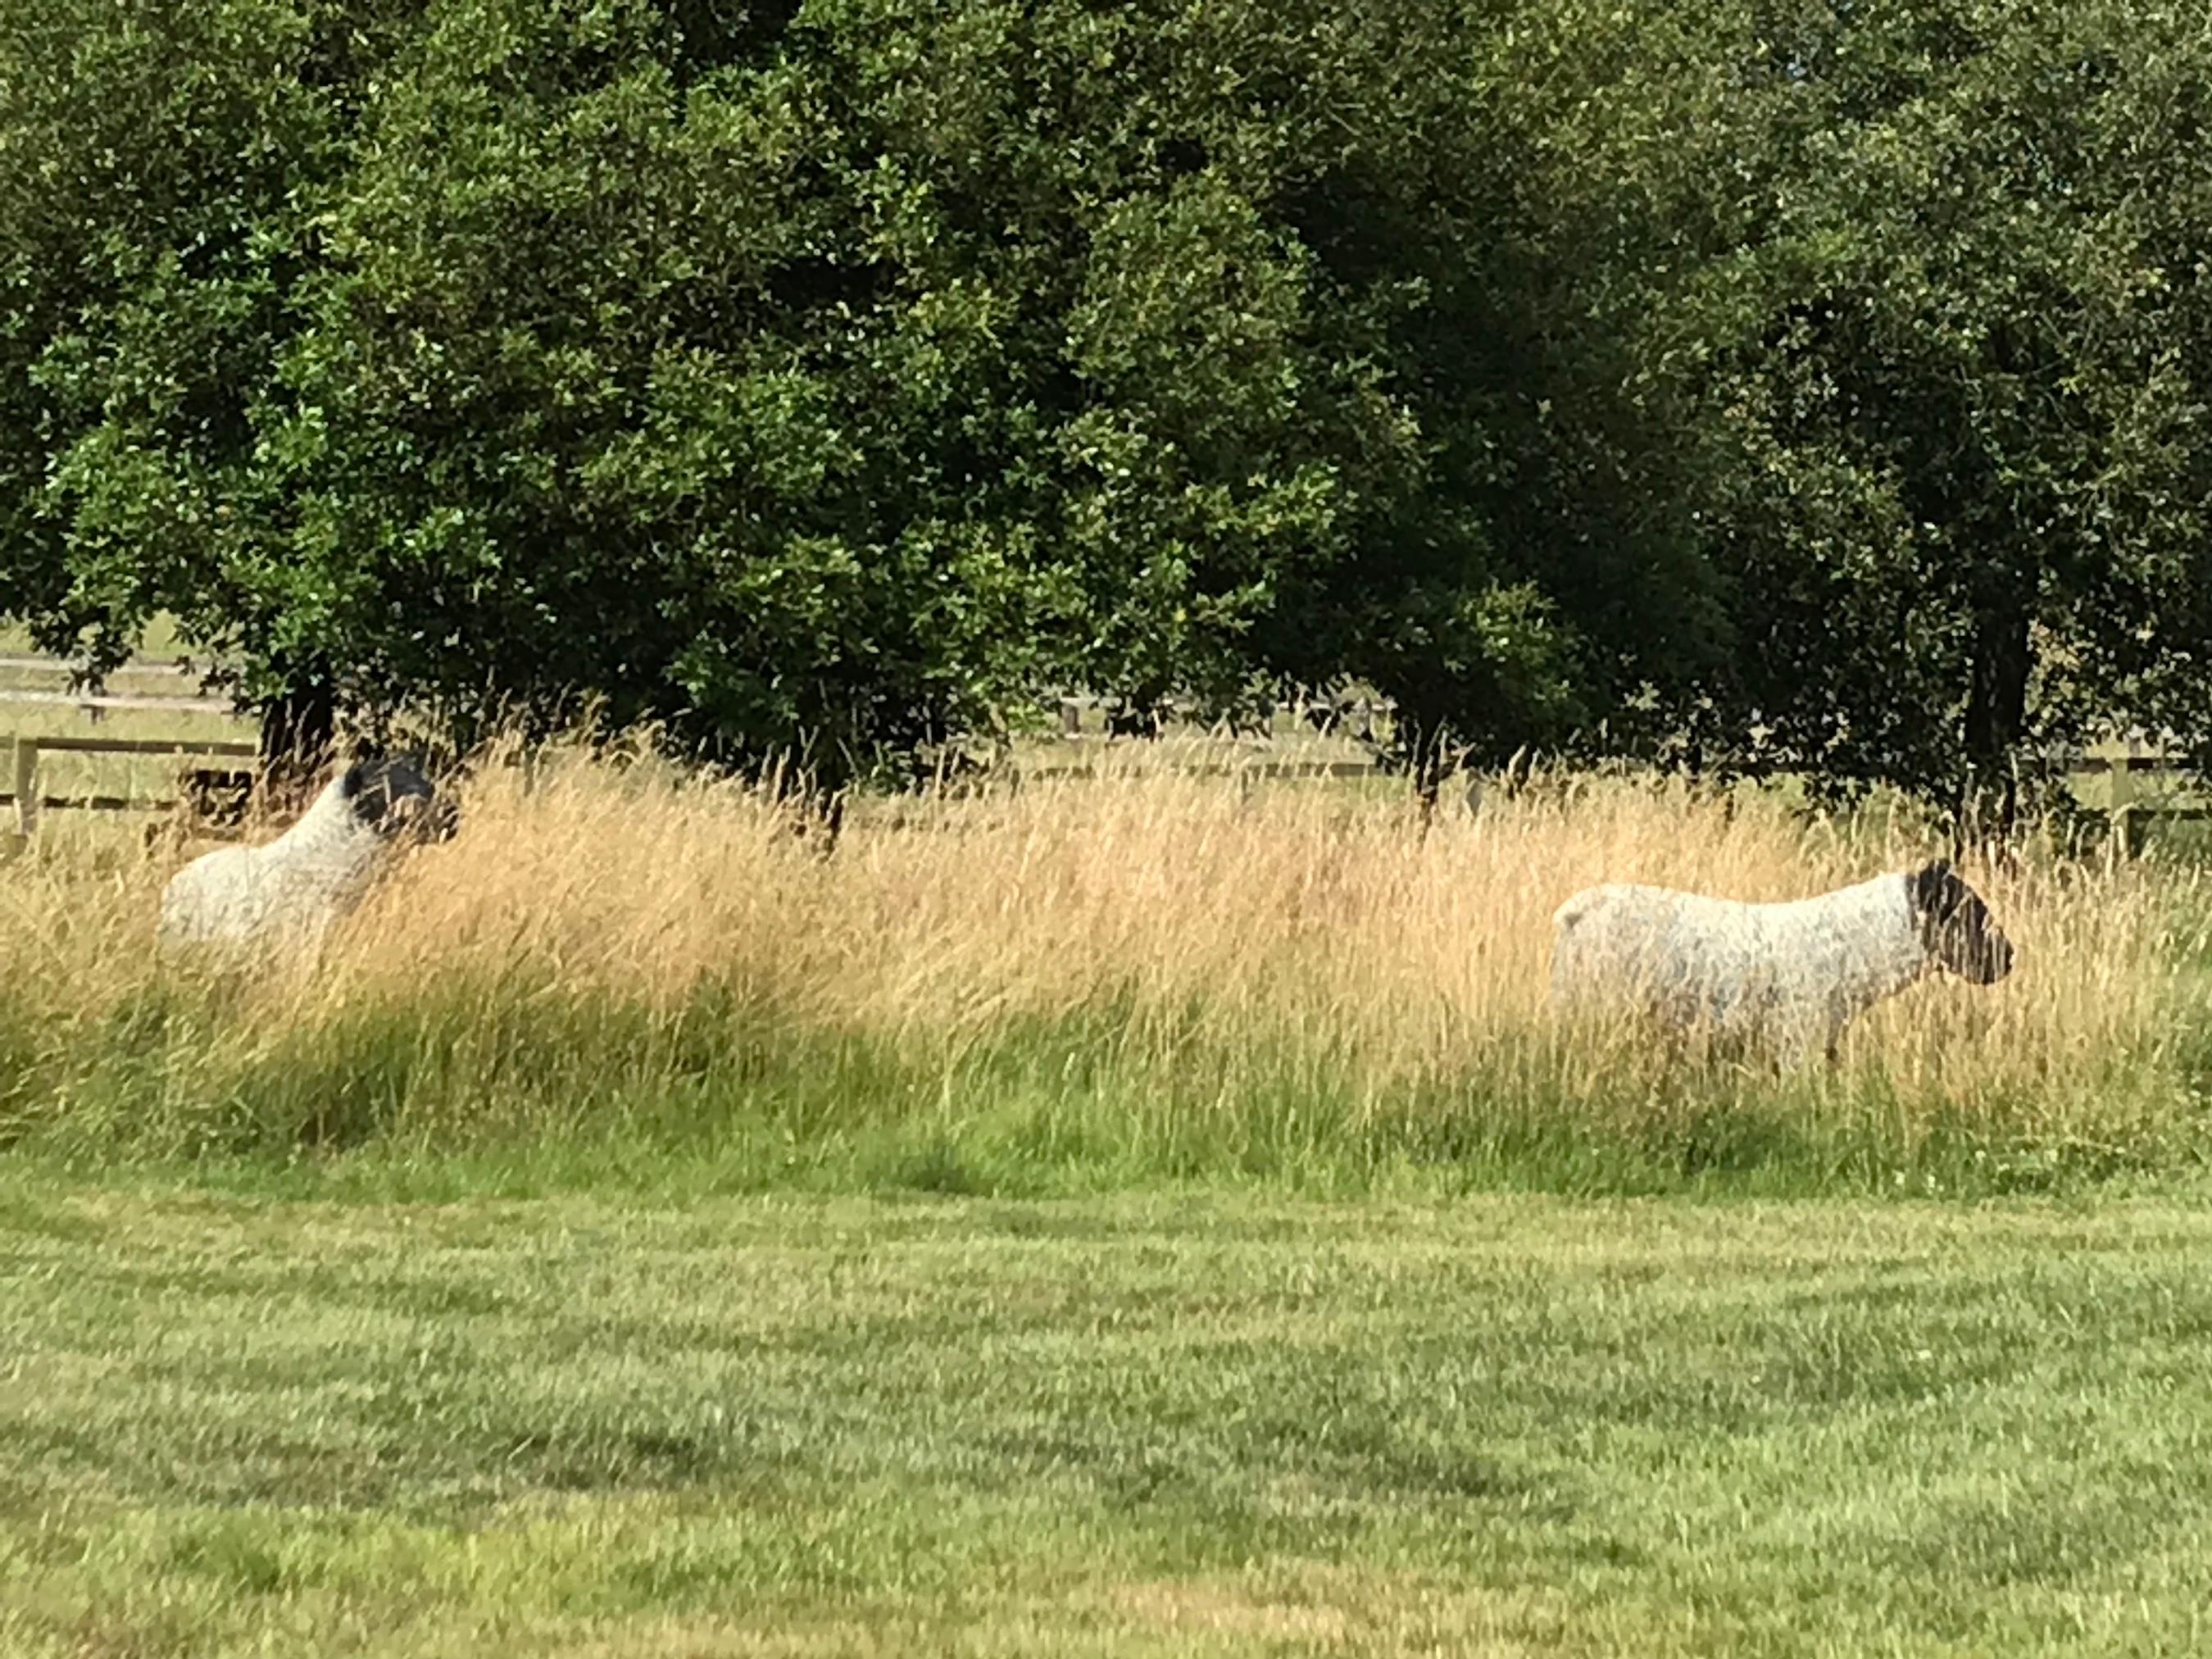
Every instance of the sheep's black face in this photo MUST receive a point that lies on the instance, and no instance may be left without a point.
(392, 796)
(1956, 926)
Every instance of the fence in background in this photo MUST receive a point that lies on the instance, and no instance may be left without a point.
(2127, 762)
(1356, 720)
(28, 800)
(95, 706)
(1352, 717)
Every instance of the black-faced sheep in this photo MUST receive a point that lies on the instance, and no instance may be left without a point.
(291, 890)
(1779, 978)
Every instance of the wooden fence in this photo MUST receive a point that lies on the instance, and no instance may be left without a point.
(2127, 762)
(26, 795)
(29, 800)
(95, 706)
(1355, 718)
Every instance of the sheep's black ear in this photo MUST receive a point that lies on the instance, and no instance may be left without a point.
(1936, 889)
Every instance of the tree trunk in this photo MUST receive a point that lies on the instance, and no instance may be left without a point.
(1421, 745)
(820, 820)
(299, 733)
(1996, 720)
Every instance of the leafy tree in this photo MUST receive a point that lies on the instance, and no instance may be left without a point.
(160, 172)
(822, 380)
(1961, 495)
(1504, 252)
(1819, 381)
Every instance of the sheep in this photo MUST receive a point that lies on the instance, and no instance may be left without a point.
(289, 891)
(1774, 977)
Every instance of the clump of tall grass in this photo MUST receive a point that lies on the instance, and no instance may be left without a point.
(1108, 977)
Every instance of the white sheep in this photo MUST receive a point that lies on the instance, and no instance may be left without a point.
(1774, 977)
(287, 892)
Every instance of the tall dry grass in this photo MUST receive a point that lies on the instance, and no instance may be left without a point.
(1141, 971)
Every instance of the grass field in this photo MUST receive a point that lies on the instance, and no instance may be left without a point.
(260, 1423)
(1131, 1214)
(1082, 985)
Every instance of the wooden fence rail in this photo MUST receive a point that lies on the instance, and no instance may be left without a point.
(2127, 817)
(96, 703)
(1357, 715)
(2124, 761)
(25, 796)
(112, 696)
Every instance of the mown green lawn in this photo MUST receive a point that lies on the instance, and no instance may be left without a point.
(1214, 1425)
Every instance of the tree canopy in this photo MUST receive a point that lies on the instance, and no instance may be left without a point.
(1963, 489)
(1814, 385)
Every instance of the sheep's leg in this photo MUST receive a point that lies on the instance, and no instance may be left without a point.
(1839, 1021)
(310, 945)
(1792, 1045)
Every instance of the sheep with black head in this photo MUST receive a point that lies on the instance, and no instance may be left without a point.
(291, 890)
(1780, 978)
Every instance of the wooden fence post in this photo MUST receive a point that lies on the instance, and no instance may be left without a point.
(2123, 797)
(27, 786)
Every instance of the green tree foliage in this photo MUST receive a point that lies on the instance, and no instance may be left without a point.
(824, 379)
(1815, 380)
(1961, 485)
(163, 172)
(1498, 256)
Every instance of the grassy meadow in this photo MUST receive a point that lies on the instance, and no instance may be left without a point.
(1134, 1426)
(1122, 1214)
(1080, 983)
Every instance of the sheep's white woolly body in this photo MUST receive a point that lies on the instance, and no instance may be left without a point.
(1782, 977)
(288, 891)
